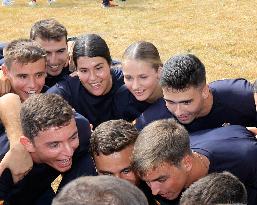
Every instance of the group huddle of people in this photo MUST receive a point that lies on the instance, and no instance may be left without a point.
(160, 132)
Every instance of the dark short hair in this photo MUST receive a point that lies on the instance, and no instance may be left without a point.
(43, 111)
(162, 141)
(215, 188)
(48, 29)
(23, 51)
(112, 136)
(100, 190)
(143, 51)
(91, 45)
(183, 71)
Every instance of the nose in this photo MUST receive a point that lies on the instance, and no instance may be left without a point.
(177, 109)
(92, 76)
(154, 187)
(135, 84)
(32, 83)
(51, 59)
(68, 150)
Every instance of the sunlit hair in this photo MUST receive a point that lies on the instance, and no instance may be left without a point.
(43, 111)
(143, 51)
(100, 190)
(183, 71)
(215, 188)
(112, 136)
(48, 29)
(23, 51)
(162, 141)
(91, 45)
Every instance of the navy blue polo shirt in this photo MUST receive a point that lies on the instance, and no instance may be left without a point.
(96, 109)
(232, 148)
(233, 103)
(31, 188)
(126, 106)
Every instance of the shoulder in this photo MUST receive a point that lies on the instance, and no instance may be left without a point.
(231, 85)
(156, 111)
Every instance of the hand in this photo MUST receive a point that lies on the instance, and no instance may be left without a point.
(252, 129)
(18, 160)
(5, 85)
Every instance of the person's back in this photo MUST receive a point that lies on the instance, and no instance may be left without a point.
(232, 148)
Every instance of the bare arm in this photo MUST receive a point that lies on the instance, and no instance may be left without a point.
(17, 159)
(5, 85)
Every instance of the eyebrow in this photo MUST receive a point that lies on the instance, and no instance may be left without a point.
(104, 172)
(75, 133)
(83, 68)
(182, 101)
(159, 178)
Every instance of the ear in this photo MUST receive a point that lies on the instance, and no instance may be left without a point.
(27, 143)
(205, 91)
(187, 163)
(5, 70)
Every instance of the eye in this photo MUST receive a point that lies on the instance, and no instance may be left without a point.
(99, 67)
(106, 173)
(61, 51)
(83, 70)
(162, 180)
(22, 76)
(39, 75)
(126, 171)
(187, 102)
(143, 77)
(53, 145)
(128, 77)
(74, 137)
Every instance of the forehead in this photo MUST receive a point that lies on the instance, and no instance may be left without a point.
(163, 170)
(52, 45)
(114, 162)
(26, 68)
(178, 95)
(59, 134)
(137, 67)
(87, 62)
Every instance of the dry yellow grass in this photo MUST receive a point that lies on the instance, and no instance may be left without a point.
(222, 33)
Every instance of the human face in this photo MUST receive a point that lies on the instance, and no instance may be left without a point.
(55, 146)
(185, 105)
(117, 164)
(167, 180)
(57, 54)
(94, 73)
(142, 80)
(26, 78)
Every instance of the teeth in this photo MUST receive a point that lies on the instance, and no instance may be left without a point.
(65, 161)
(31, 92)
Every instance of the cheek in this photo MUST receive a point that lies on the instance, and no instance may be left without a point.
(75, 144)
(83, 77)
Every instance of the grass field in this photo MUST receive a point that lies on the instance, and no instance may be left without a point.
(221, 33)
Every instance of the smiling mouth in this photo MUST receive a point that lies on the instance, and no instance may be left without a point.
(31, 92)
(65, 162)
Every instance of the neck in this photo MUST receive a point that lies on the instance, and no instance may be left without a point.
(200, 168)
